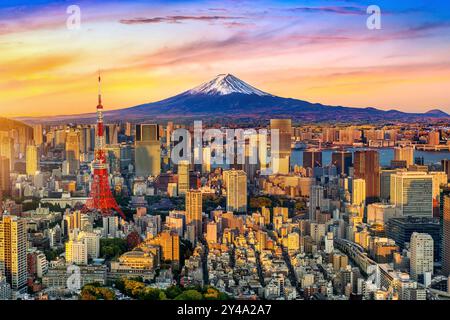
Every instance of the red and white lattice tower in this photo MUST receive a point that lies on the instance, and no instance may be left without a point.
(101, 198)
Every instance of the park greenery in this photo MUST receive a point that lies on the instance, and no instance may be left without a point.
(136, 289)
(95, 291)
(112, 248)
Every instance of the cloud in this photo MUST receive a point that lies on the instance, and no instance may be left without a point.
(345, 10)
(176, 19)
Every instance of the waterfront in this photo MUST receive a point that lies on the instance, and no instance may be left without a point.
(386, 155)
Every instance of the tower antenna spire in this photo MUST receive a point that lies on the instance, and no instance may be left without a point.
(99, 89)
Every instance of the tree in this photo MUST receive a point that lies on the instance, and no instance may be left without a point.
(259, 202)
(111, 248)
(190, 295)
(96, 292)
(173, 291)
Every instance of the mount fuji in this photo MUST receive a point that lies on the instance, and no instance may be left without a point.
(229, 99)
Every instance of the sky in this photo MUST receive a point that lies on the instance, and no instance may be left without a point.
(317, 50)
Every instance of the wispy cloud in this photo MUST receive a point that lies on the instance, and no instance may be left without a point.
(345, 10)
(177, 19)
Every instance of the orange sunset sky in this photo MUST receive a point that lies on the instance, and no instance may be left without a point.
(319, 51)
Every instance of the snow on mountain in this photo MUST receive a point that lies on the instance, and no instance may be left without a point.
(225, 84)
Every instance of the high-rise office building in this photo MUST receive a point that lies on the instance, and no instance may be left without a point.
(211, 232)
(404, 153)
(38, 134)
(147, 132)
(183, 177)
(358, 192)
(236, 184)
(147, 150)
(439, 181)
(412, 194)
(422, 250)
(170, 247)
(434, 138)
(71, 221)
(312, 158)
(316, 200)
(13, 251)
(76, 252)
(367, 166)
(194, 209)
(5, 185)
(342, 160)
(31, 160)
(446, 237)
(401, 230)
(282, 156)
(110, 226)
(7, 150)
(73, 151)
(385, 182)
(446, 167)
(92, 241)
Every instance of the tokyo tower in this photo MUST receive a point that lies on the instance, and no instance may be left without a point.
(101, 198)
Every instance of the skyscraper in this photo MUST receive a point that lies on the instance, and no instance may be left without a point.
(170, 246)
(194, 210)
(433, 138)
(343, 161)
(236, 183)
(446, 237)
(446, 167)
(5, 185)
(422, 248)
(412, 194)
(31, 160)
(404, 153)
(211, 232)
(183, 177)
(358, 192)
(316, 200)
(73, 151)
(38, 136)
(312, 158)
(282, 156)
(13, 251)
(7, 150)
(367, 167)
(147, 150)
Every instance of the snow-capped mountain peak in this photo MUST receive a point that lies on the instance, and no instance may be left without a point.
(225, 84)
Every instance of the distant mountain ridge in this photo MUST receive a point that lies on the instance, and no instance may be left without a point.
(227, 98)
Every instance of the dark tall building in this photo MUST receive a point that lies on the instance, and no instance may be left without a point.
(446, 237)
(419, 161)
(399, 164)
(147, 132)
(312, 158)
(343, 161)
(401, 229)
(147, 156)
(367, 166)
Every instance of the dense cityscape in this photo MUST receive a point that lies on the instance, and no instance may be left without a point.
(210, 159)
(101, 211)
